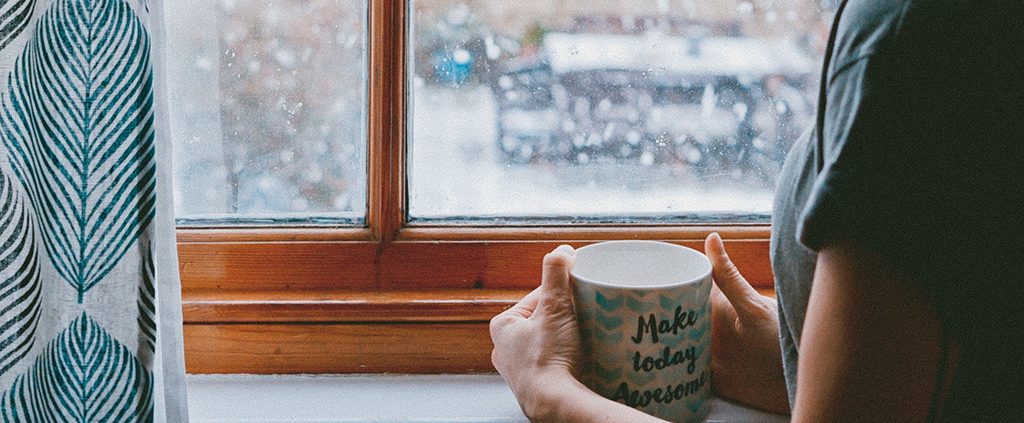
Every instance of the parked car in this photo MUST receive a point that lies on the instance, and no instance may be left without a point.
(713, 102)
(528, 119)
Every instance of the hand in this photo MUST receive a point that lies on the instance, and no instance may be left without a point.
(746, 361)
(537, 341)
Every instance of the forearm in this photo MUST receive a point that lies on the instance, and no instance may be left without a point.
(576, 403)
(870, 349)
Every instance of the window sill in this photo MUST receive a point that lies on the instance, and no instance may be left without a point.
(422, 332)
(392, 398)
(458, 305)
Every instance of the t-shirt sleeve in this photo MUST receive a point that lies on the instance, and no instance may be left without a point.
(881, 162)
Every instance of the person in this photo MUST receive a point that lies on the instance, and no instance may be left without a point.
(900, 207)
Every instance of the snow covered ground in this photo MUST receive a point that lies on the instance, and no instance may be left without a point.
(456, 170)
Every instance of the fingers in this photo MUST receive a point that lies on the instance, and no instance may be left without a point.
(525, 307)
(520, 311)
(555, 275)
(743, 297)
(553, 294)
(554, 281)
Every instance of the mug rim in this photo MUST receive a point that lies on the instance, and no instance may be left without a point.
(685, 250)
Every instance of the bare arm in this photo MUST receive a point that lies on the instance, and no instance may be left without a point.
(870, 348)
(578, 404)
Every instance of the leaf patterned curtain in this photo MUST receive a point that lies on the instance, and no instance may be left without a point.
(90, 313)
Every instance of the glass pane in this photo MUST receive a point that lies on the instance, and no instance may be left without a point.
(268, 110)
(608, 110)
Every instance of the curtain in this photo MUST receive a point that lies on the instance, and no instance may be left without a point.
(90, 307)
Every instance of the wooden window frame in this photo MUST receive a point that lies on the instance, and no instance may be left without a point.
(391, 297)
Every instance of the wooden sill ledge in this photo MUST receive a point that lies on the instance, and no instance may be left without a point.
(466, 306)
(426, 332)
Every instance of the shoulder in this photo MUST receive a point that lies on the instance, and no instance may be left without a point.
(864, 27)
(904, 33)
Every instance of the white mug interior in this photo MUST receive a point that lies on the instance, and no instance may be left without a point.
(639, 264)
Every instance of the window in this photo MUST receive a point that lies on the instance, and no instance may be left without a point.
(581, 111)
(268, 109)
(362, 185)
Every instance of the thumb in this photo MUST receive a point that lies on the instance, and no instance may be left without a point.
(743, 297)
(554, 282)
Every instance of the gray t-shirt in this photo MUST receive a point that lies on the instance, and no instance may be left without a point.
(918, 155)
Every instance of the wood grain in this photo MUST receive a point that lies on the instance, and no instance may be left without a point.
(458, 306)
(512, 265)
(461, 306)
(405, 332)
(554, 232)
(353, 348)
(399, 265)
(387, 113)
(271, 234)
(277, 266)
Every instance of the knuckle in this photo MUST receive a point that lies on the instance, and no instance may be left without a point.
(497, 360)
(763, 307)
(556, 305)
(732, 271)
(497, 324)
(555, 259)
(727, 269)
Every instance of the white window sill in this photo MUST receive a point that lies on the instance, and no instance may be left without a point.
(389, 398)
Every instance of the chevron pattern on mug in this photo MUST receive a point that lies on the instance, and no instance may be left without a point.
(646, 342)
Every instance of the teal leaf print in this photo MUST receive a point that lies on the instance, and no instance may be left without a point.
(19, 278)
(635, 304)
(661, 409)
(694, 406)
(699, 352)
(14, 17)
(78, 123)
(608, 375)
(608, 304)
(147, 301)
(643, 378)
(607, 337)
(609, 322)
(84, 375)
(697, 333)
(673, 340)
(676, 373)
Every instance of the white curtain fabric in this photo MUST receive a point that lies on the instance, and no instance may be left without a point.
(90, 301)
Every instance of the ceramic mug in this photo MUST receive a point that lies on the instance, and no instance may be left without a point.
(645, 325)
